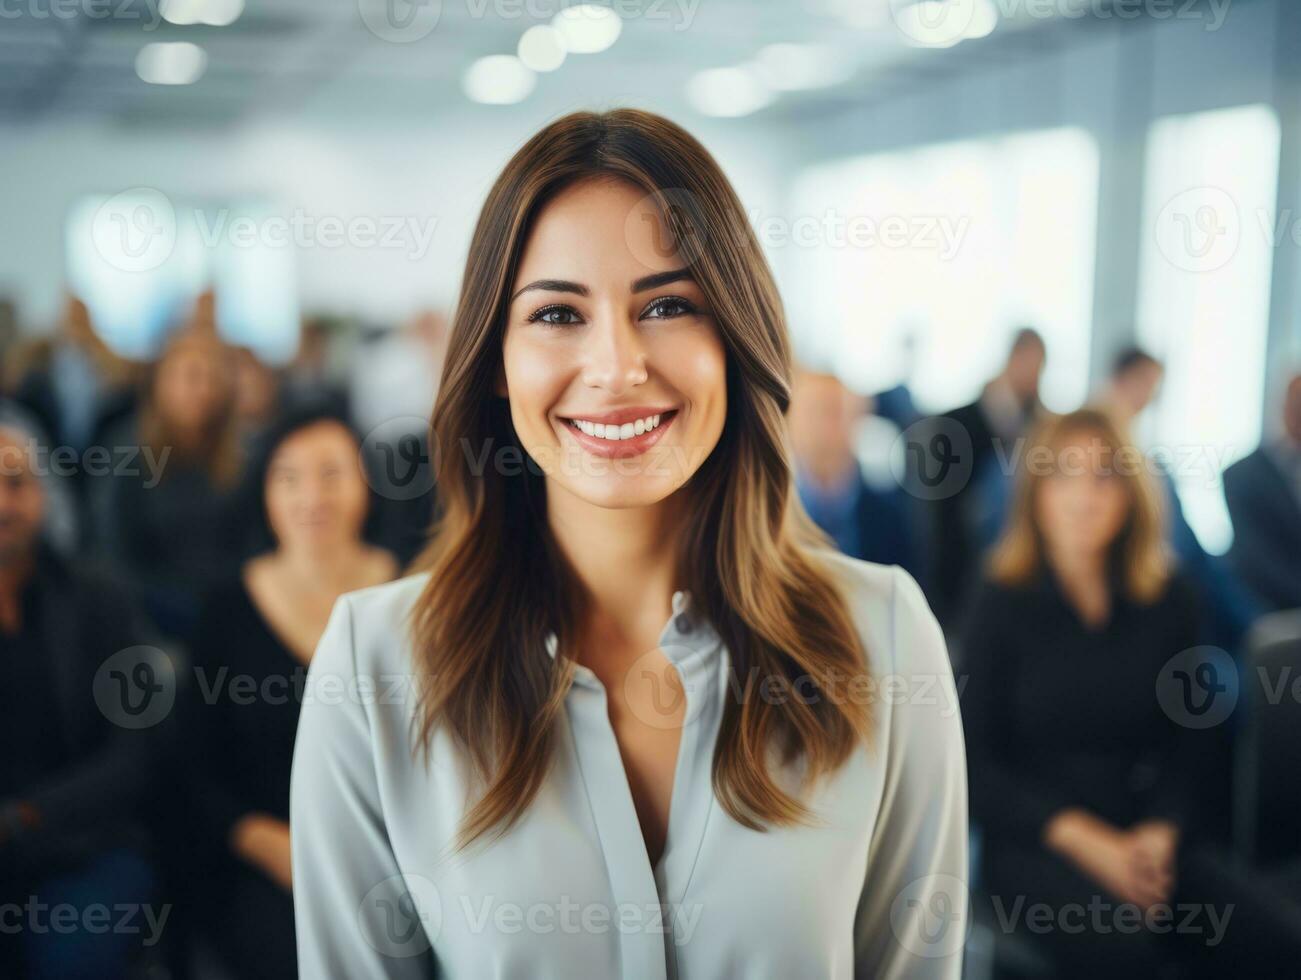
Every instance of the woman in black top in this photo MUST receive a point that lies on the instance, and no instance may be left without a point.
(1082, 755)
(251, 649)
(163, 512)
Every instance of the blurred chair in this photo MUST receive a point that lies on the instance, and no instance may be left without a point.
(1267, 824)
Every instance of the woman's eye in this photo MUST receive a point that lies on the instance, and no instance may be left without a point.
(669, 306)
(556, 316)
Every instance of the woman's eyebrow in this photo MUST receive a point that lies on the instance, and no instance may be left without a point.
(658, 279)
(653, 281)
(552, 286)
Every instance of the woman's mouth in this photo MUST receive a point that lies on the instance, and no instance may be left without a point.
(619, 440)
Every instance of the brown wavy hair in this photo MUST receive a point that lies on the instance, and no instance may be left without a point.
(750, 554)
(215, 449)
(1139, 559)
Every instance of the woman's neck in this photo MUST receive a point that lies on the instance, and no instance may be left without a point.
(625, 558)
(331, 568)
(1083, 578)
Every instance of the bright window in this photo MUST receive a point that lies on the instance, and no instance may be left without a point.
(139, 260)
(958, 244)
(1203, 305)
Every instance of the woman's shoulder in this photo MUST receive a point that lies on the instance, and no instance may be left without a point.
(894, 619)
(377, 609)
(370, 626)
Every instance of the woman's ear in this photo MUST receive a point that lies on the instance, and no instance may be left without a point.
(499, 384)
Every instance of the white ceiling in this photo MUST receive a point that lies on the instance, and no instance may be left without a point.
(318, 58)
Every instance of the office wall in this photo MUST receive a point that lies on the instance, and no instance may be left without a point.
(1113, 79)
(437, 170)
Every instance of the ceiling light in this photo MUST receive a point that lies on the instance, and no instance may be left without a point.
(983, 21)
(215, 13)
(499, 79)
(734, 91)
(542, 48)
(587, 27)
(171, 62)
(791, 67)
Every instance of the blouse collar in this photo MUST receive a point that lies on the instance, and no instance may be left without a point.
(687, 639)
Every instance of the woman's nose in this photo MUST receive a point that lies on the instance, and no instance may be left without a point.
(616, 356)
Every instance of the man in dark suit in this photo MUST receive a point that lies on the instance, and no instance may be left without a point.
(1263, 492)
(75, 763)
(865, 521)
(1007, 405)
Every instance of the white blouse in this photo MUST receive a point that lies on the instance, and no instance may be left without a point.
(873, 888)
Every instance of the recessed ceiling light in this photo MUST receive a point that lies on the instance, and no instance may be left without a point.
(542, 48)
(499, 79)
(171, 62)
(216, 13)
(736, 91)
(587, 27)
(934, 23)
(983, 19)
(792, 67)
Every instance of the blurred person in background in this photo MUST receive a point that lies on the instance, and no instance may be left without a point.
(896, 403)
(71, 779)
(77, 388)
(309, 378)
(1263, 492)
(394, 383)
(8, 332)
(165, 520)
(1132, 385)
(261, 630)
(257, 397)
(1007, 405)
(864, 522)
(395, 375)
(1081, 782)
(75, 385)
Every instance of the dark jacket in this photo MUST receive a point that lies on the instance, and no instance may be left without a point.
(1266, 514)
(92, 638)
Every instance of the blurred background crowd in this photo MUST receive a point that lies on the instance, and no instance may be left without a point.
(1042, 270)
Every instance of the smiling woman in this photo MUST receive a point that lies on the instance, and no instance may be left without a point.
(640, 668)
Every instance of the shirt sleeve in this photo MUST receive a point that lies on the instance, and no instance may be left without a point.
(356, 913)
(913, 917)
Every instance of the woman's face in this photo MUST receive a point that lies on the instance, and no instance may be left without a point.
(193, 384)
(1083, 504)
(612, 362)
(315, 489)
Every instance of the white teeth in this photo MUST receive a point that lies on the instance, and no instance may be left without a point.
(616, 432)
